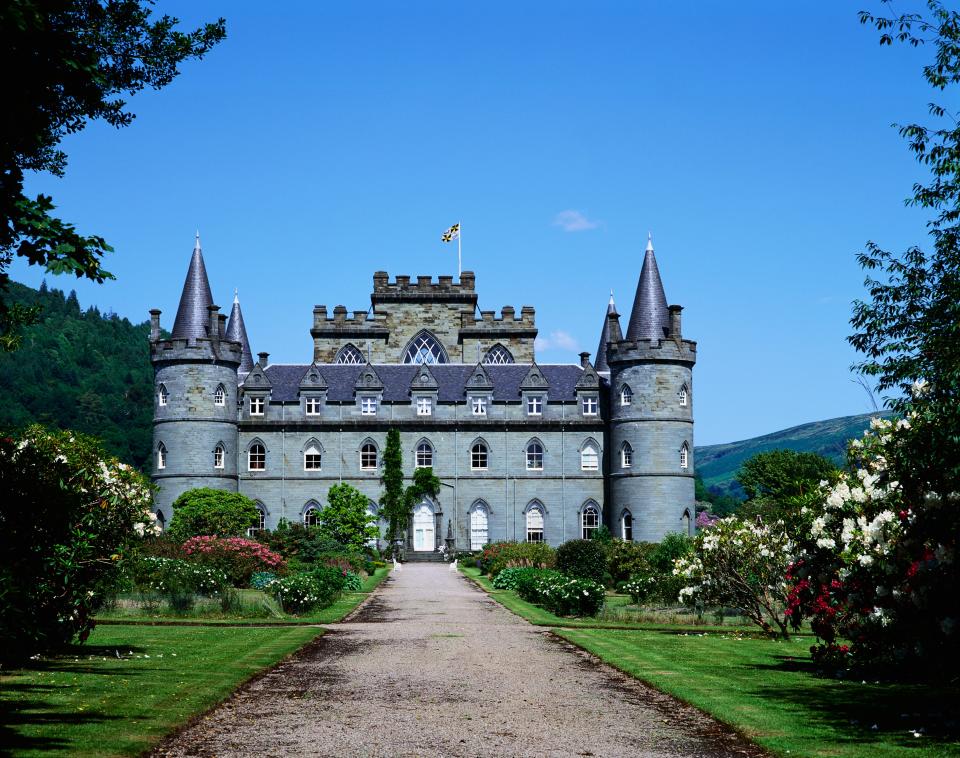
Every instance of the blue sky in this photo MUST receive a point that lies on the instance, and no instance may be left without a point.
(321, 142)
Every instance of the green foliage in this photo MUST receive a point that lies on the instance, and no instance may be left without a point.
(425, 484)
(345, 518)
(299, 543)
(602, 535)
(778, 483)
(393, 501)
(498, 556)
(626, 559)
(510, 578)
(80, 370)
(297, 593)
(583, 559)
(352, 582)
(720, 503)
(561, 594)
(205, 511)
(260, 579)
(170, 577)
(69, 516)
(237, 557)
(82, 58)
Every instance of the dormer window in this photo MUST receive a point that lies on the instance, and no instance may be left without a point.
(162, 395)
(424, 406)
(683, 395)
(220, 396)
(256, 406)
(626, 395)
(535, 405)
(626, 455)
(218, 456)
(161, 456)
(312, 405)
(479, 406)
(590, 405)
(684, 456)
(368, 406)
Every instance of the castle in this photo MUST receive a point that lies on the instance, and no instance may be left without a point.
(524, 451)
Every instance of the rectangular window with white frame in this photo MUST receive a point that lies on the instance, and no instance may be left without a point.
(256, 406)
(590, 405)
(479, 406)
(424, 406)
(535, 405)
(313, 406)
(368, 406)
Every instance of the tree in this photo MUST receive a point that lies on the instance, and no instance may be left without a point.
(205, 511)
(346, 519)
(393, 501)
(76, 59)
(778, 483)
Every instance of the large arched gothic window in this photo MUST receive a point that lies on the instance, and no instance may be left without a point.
(589, 457)
(589, 520)
(498, 355)
(349, 353)
(424, 348)
(479, 525)
(535, 523)
(478, 456)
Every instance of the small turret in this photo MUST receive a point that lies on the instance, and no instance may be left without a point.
(237, 332)
(192, 315)
(605, 336)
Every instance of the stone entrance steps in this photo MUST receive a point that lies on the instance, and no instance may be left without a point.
(413, 556)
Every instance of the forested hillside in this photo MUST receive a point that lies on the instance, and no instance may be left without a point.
(80, 370)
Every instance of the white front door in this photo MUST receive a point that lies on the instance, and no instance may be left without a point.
(423, 528)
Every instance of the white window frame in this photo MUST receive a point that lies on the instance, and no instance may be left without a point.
(261, 457)
(311, 452)
(161, 456)
(683, 395)
(366, 450)
(590, 405)
(479, 526)
(311, 512)
(626, 455)
(218, 456)
(536, 532)
(684, 456)
(312, 405)
(368, 405)
(535, 405)
(535, 456)
(162, 395)
(479, 451)
(626, 531)
(478, 405)
(220, 396)
(626, 395)
(257, 405)
(424, 406)
(424, 452)
(261, 521)
(595, 457)
(592, 513)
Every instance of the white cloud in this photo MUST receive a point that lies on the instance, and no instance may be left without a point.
(558, 340)
(574, 221)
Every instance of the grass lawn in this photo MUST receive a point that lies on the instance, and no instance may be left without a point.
(769, 691)
(89, 702)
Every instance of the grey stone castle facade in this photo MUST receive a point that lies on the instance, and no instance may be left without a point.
(524, 451)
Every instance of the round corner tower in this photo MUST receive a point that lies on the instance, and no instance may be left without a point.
(650, 459)
(195, 431)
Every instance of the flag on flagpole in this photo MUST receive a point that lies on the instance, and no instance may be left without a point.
(451, 234)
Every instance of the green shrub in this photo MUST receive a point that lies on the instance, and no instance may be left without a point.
(260, 579)
(560, 594)
(500, 555)
(297, 593)
(352, 582)
(69, 517)
(640, 588)
(330, 582)
(582, 559)
(208, 512)
(346, 520)
(177, 581)
(508, 579)
(627, 559)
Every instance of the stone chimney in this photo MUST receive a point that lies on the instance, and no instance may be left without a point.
(213, 322)
(154, 325)
(263, 359)
(675, 332)
(584, 359)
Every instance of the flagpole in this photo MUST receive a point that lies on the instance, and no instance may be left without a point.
(459, 259)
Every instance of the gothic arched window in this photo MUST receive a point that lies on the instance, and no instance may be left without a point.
(368, 456)
(312, 457)
(626, 455)
(589, 520)
(626, 395)
(684, 455)
(535, 456)
(626, 526)
(478, 455)
(589, 457)
(220, 395)
(218, 456)
(311, 514)
(261, 519)
(256, 457)
(498, 355)
(161, 456)
(349, 353)
(424, 455)
(683, 395)
(479, 525)
(535, 523)
(424, 348)
(162, 395)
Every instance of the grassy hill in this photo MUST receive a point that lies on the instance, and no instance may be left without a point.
(718, 464)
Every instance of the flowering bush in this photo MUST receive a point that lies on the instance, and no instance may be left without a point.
(561, 594)
(640, 588)
(500, 555)
(352, 582)
(169, 576)
(297, 593)
(69, 516)
(508, 579)
(740, 564)
(237, 557)
(876, 570)
(705, 520)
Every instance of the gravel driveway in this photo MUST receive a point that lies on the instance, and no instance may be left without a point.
(431, 666)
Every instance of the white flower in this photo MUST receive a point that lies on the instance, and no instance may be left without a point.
(920, 387)
(826, 542)
(866, 560)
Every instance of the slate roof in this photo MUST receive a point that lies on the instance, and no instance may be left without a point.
(237, 332)
(600, 362)
(650, 319)
(192, 314)
(451, 380)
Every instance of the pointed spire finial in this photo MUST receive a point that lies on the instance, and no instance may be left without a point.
(611, 298)
(196, 244)
(649, 242)
(236, 295)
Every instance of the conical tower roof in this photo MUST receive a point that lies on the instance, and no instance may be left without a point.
(600, 364)
(237, 332)
(192, 315)
(649, 319)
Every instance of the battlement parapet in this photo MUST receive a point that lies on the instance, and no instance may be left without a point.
(424, 289)
(508, 318)
(626, 352)
(340, 323)
(195, 351)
